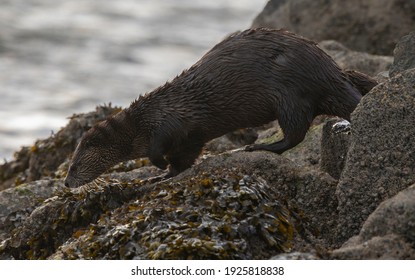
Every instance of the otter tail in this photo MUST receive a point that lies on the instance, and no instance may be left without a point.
(362, 82)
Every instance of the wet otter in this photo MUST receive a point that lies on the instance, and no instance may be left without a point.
(247, 80)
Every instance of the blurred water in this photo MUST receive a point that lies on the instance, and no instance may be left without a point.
(59, 57)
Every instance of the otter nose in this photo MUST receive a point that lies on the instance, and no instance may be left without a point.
(67, 182)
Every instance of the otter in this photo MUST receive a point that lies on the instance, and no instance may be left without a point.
(249, 79)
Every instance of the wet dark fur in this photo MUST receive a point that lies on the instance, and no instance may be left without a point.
(248, 79)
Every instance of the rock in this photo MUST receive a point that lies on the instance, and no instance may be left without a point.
(62, 216)
(393, 216)
(17, 203)
(202, 217)
(404, 54)
(388, 233)
(232, 140)
(296, 256)
(238, 205)
(309, 191)
(12, 173)
(389, 247)
(141, 173)
(334, 147)
(381, 156)
(372, 26)
(347, 59)
(242, 137)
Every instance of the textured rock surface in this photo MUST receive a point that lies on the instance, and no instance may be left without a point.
(296, 256)
(360, 61)
(334, 147)
(372, 26)
(388, 233)
(404, 54)
(381, 157)
(16, 204)
(389, 247)
(393, 216)
(203, 217)
(269, 205)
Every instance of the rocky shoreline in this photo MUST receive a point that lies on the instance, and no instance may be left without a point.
(346, 194)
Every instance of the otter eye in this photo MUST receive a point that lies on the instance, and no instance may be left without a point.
(90, 143)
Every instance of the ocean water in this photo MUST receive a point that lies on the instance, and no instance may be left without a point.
(59, 57)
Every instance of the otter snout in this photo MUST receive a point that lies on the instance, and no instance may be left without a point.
(70, 182)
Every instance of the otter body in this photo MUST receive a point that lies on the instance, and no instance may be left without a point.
(249, 79)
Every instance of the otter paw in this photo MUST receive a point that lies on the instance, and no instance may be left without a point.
(250, 148)
(159, 178)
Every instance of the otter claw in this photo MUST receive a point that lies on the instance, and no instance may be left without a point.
(249, 148)
(236, 150)
(160, 178)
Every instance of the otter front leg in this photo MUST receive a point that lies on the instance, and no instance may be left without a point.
(156, 156)
(159, 162)
(183, 157)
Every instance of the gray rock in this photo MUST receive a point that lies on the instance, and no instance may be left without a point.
(296, 256)
(334, 147)
(348, 59)
(17, 203)
(389, 247)
(388, 233)
(232, 140)
(57, 219)
(393, 216)
(404, 54)
(381, 157)
(372, 26)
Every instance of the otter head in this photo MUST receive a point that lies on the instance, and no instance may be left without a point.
(100, 148)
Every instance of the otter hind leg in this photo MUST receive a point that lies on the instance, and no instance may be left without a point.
(294, 132)
(277, 147)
